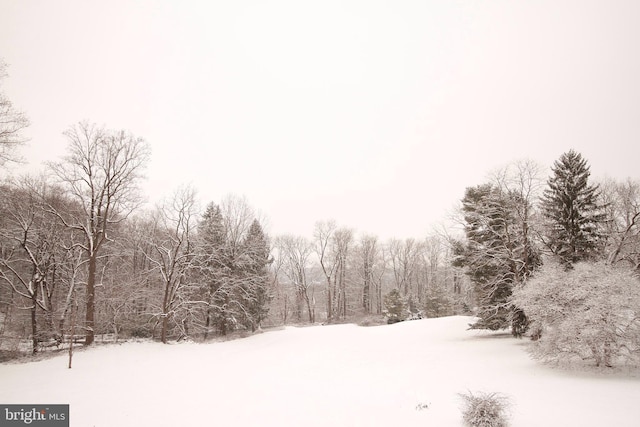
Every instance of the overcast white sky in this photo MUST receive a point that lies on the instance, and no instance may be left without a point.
(375, 113)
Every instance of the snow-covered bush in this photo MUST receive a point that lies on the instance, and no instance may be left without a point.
(590, 312)
(484, 410)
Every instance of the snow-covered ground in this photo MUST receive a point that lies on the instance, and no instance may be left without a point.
(407, 374)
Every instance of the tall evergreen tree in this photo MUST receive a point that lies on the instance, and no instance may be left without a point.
(496, 255)
(257, 259)
(571, 206)
(215, 271)
(211, 228)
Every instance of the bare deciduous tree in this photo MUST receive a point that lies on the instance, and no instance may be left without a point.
(333, 247)
(237, 217)
(367, 255)
(523, 178)
(403, 256)
(295, 253)
(101, 174)
(341, 248)
(323, 234)
(280, 303)
(622, 201)
(172, 254)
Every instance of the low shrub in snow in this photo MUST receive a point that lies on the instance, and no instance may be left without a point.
(484, 410)
(371, 320)
(588, 313)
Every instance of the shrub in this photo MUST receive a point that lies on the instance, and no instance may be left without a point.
(590, 313)
(140, 331)
(371, 320)
(484, 409)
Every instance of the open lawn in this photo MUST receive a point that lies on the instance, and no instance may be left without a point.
(408, 374)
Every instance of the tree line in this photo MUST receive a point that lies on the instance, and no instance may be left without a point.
(81, 257)
(338, 275)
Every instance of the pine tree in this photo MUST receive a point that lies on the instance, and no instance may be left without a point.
(256, 285)
(215, 271)
(571, 206)
(497, 255)
(394, 307)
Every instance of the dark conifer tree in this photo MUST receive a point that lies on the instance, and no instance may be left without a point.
(496, 255)
(215, 270)
(395, 307)
(571, 206)
(257, 258)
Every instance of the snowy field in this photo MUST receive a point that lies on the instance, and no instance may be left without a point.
(407, 374)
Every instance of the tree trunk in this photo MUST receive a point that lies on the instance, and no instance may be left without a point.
(309, 310)
(91, 300)
(329, 314)
(115, 330)
(607, 353)
(366, 291)
(285, 312)
(337, 302)
(223, 327)
(298, 306)
(207, 324)
(163, 333)
(365, 297)
(343, 289)
(74, 310)
(34, 326)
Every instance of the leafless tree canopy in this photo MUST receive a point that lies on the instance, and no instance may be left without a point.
(12, 123)
(102, 171)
